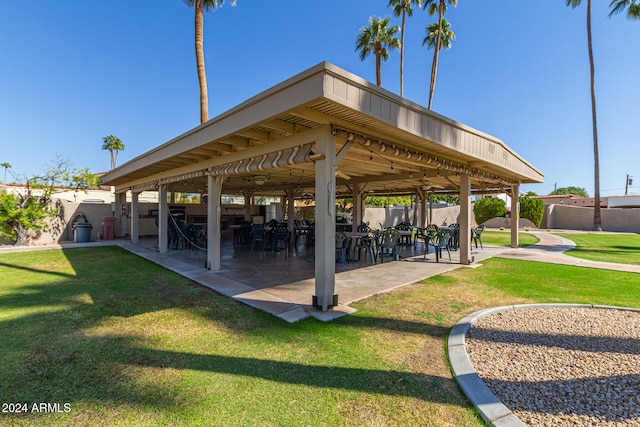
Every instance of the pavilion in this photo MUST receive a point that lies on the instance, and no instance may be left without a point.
(324, 133)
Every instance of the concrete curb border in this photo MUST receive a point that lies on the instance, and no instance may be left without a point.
(491, 409)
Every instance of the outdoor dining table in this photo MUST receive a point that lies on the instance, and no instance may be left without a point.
(355, 238)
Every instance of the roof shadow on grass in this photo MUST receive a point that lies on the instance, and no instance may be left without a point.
(56, 355)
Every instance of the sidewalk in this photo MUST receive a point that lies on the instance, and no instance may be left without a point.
(550, 249)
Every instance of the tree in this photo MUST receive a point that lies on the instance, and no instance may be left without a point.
(113, 145)
(439, 30)
(577, 191)
(439, 6)
(378, 38)
(597, 218)
(632, 7)
(532, 209)
(6, 166)
(403, 8)
(200, 7)
(24, 213)
(489, 207)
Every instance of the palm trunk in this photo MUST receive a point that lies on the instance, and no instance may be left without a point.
(378, 66)
(434, 65)
(202, 76)
(597, 219)
(404, 14)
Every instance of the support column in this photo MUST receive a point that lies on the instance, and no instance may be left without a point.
(135, 218)
(248, 197)
(325, 265)
(120, 227)
(163, 220)
(465, 219)
(515, 216)
(423, 207)
(290, 211)
(214, 191)
(358, 206)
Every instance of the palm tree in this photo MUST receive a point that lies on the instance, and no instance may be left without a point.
(6, 166)
(632, 7)
(378, 38)
(597, 218)
(113, 144)
(443, 30)
(202, 6)
(439, 6)
(403, 8)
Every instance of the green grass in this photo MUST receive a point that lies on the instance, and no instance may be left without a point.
(126, 342)
(503, 238)
(619, 248)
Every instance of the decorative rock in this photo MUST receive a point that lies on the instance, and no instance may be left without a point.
(561, 366)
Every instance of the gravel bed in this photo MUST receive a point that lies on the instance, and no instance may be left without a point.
(561, 366)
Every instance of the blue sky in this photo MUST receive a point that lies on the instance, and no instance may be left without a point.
(75, 71)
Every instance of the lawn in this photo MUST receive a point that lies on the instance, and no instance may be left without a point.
(138, 345)
(503, 238)
(619, 247)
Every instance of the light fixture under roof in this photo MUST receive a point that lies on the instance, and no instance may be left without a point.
(260, 180)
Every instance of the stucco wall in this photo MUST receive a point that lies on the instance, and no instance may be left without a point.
(579, 218)
(390, 217)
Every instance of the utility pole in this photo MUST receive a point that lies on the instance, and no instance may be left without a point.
(627, 184)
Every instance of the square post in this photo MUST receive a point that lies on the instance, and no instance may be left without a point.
(358, 206)
(163, 220)
(465, 219)
(325, 265)
(214, 192)
(515, 216)
(135, 218)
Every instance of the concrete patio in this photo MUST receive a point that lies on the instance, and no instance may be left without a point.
(284, 285)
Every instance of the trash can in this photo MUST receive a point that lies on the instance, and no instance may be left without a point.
(81, 229)
(109, 228)
(82, 232)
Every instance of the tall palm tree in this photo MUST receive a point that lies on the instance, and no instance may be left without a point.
(378, 38)
(439, 29)
(403, 8)
(632, 7)
(113, 145)
(202, 6)
(597, 218)
(6, 166)
(439, 6)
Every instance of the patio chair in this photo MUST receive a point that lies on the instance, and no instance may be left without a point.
(476, 235)
(441, 241)
(422, 234)
(342, 247)
(387, 244)
(368, 244)
(242, 235)
(280, 235)
(258, 236)
(405, 239)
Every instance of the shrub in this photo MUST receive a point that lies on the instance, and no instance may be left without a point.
(489, 207)
(532, 209)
